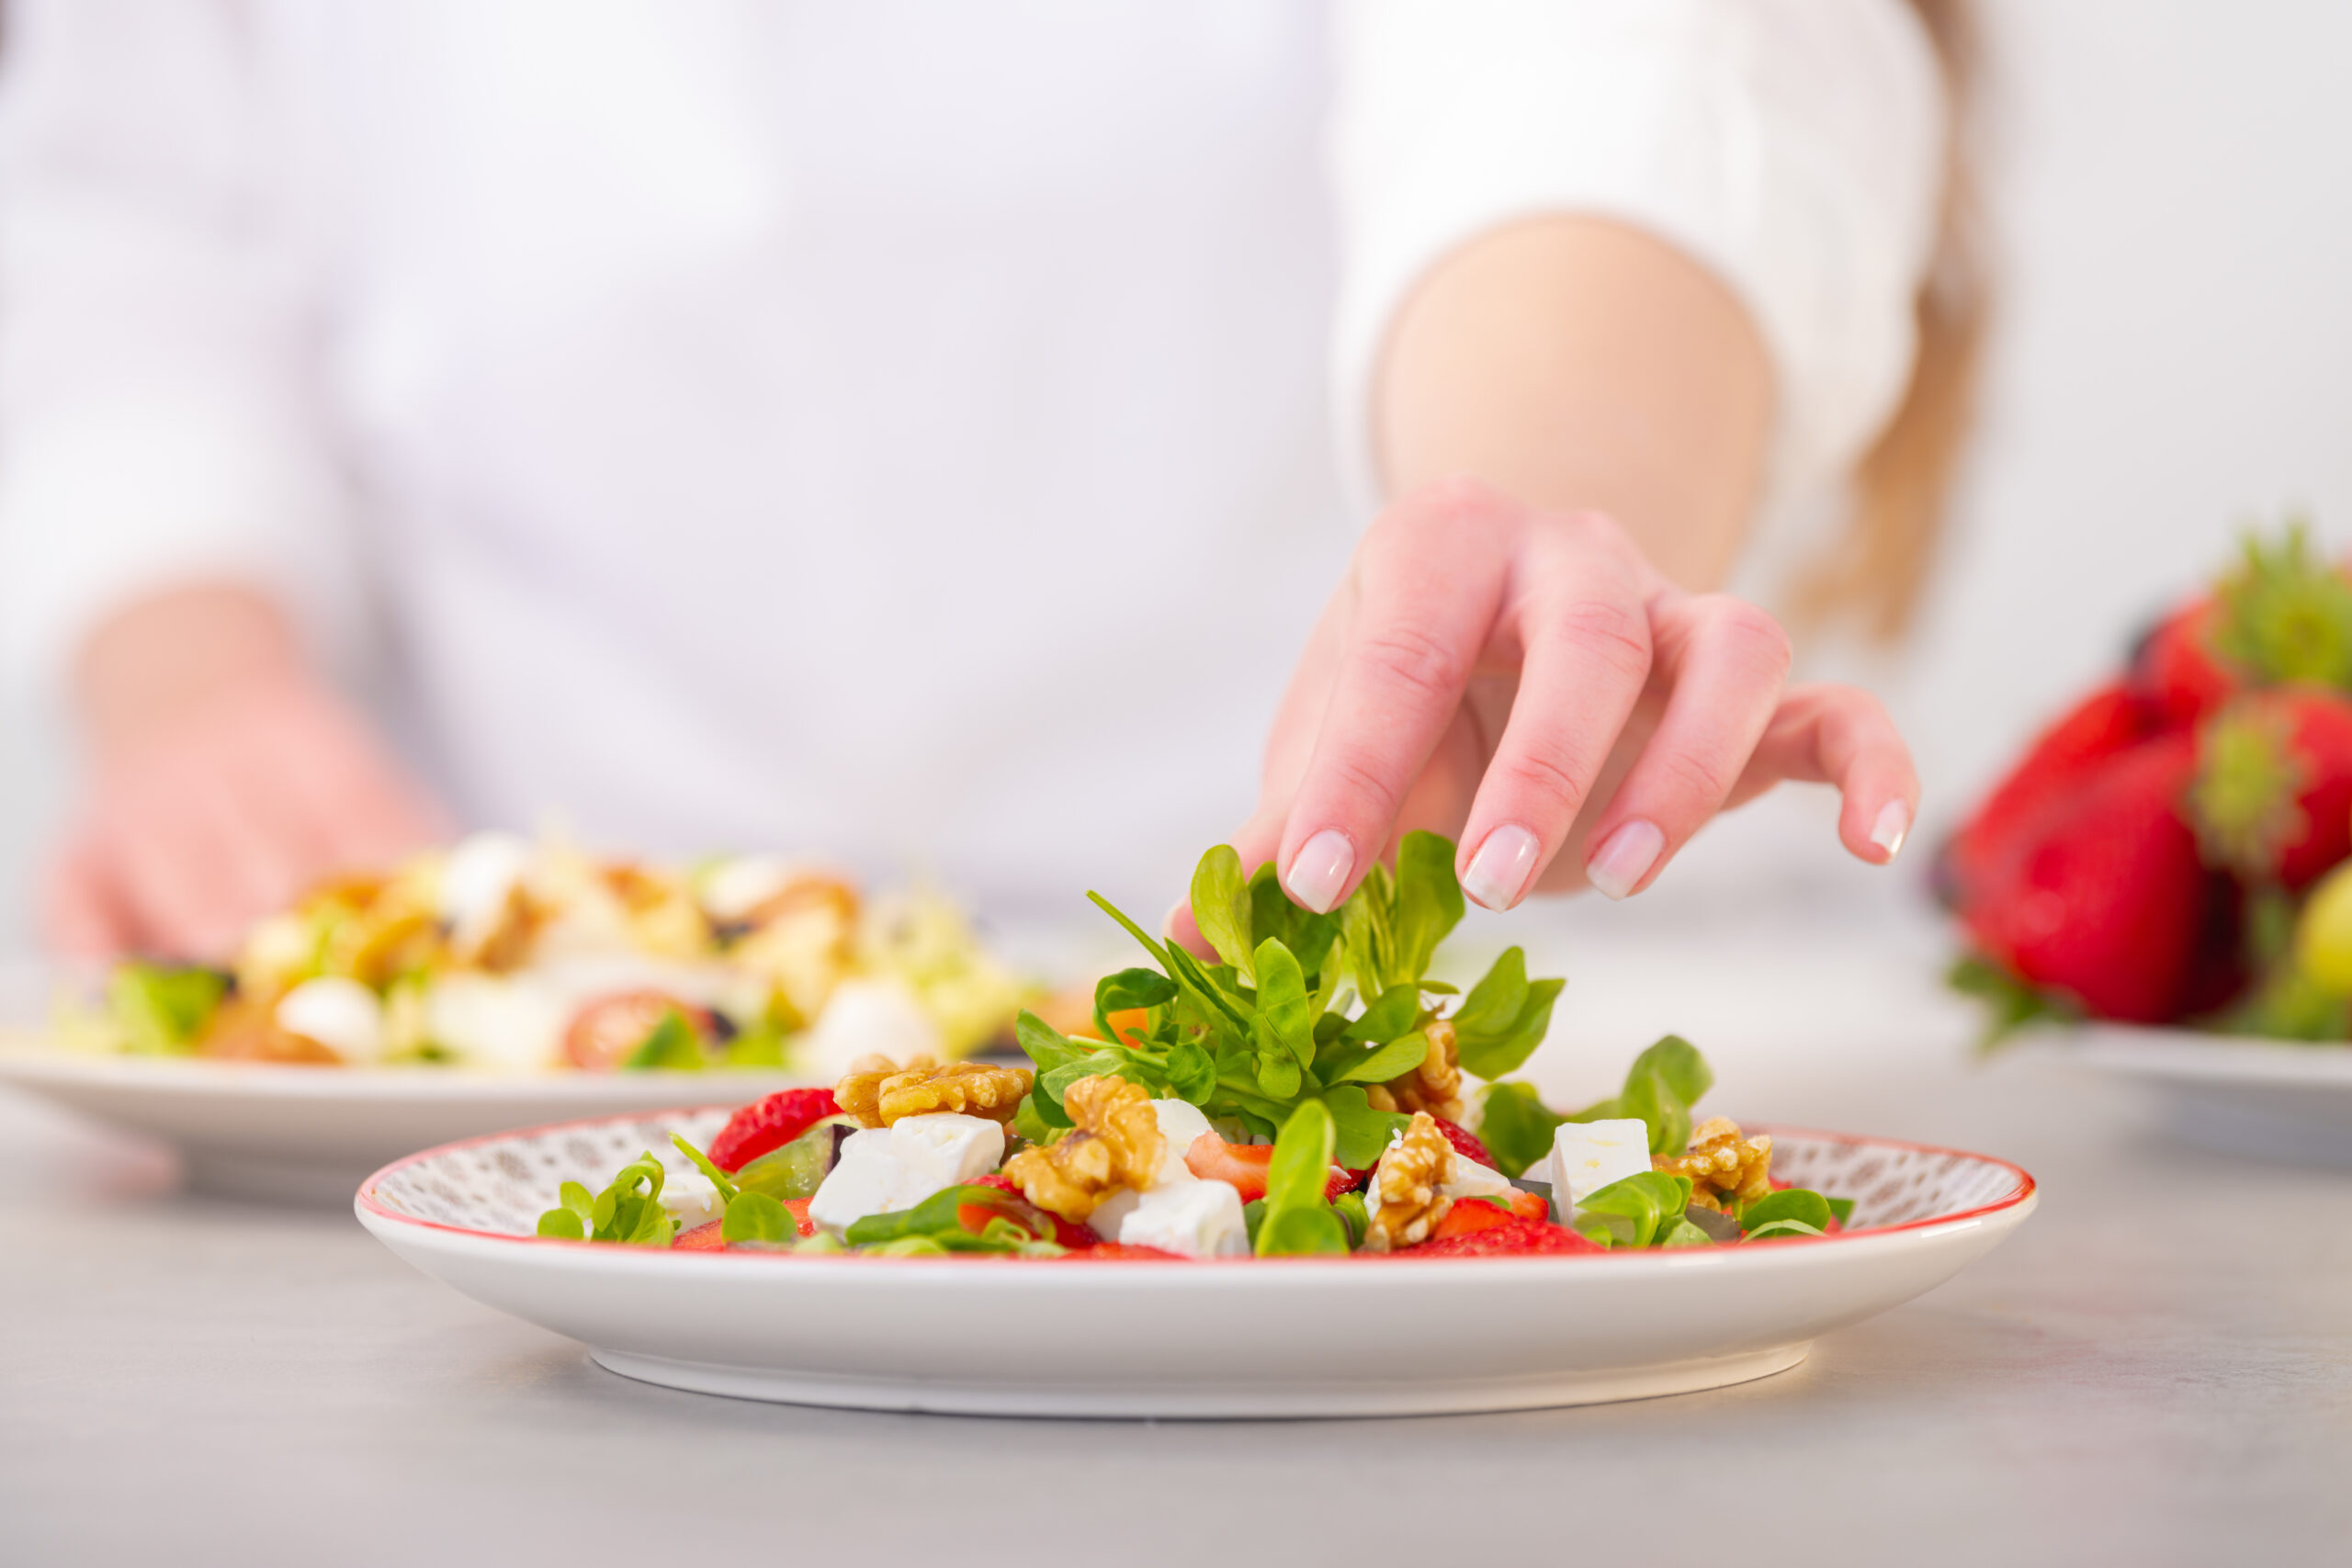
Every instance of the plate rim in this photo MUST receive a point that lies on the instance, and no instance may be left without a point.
(375, 1214)
(198, 1079)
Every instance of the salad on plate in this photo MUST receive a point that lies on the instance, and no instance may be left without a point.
(507, 955)
(1307, 1093)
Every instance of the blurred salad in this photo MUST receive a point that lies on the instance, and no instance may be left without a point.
(504, 953)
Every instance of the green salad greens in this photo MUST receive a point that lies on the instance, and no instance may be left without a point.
(1267, 1028)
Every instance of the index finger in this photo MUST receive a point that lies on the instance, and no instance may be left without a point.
(1429, 583)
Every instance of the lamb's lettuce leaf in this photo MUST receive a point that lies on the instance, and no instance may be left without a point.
(1643, 1210)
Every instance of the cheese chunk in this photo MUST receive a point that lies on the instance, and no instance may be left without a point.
(691, 1200)
(1471, 1180)
(1589, 1156)
(1192, 1219)
(1181, 1124)
(883, 1169)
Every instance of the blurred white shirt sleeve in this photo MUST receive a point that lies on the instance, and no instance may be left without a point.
(155, 419)
(1794, 147)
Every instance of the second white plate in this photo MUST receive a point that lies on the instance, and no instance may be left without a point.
(2240, 1095)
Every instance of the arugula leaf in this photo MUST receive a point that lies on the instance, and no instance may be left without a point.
(1282, 1005)
(1428, 902)
(1515, 1126)
(1640, 1210)
(1308, 935)
(1221, 908)
(1793, 1203)
(1127, 989)
(1842, 1208)
(755, 1216)
(1395, 1059)
(1296, 1218)
(629, 1211)
(702, 1162)
(1504, 1018)
(1363, 1133)
(1660, 1087)
(1396, 1012)
(1192, 1073)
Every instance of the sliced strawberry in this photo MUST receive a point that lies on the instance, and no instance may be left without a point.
(605, 1033)
(2106, 899)
(798, 1209)
(1244, 1167)
(1464, 1143)
(702, 1238)
(1121, 1252)
(770, 1124)
(1471, 1214)
(1513, 1237)
(1063, 1232)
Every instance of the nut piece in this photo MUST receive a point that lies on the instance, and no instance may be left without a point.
(1405, 1185)
(1116, 1142)
(1435, 1086)
(1722, 1164)
(878, 1093)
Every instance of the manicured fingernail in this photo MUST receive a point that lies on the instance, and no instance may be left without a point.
(1893, 826)
(1624, 858)
(1498, 872)
(1319, 870)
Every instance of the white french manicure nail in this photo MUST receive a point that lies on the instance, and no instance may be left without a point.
(1893, 826)
(1624, 858)
(1319, 870)
(1498, 872)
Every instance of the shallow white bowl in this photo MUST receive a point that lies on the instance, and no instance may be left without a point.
(2242, 1095)
(309, 1134)
(1277, 1337)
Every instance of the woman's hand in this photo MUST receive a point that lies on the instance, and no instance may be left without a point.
(226, 779)
(1526, 681)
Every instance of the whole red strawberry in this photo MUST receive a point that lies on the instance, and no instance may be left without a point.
(770, 1124)
(2106, 724)
(2104, 897)
(2177, 671)
(2273, 797)
(1514, 1238)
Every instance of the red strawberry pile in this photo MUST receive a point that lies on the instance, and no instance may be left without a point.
(2163, 852)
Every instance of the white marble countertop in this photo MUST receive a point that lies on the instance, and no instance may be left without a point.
(2156, 1369)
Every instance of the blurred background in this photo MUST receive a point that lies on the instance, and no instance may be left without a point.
(2170, 185)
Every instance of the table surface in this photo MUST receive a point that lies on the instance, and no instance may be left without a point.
(2156, 1369)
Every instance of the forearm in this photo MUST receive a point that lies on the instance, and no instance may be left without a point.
(162, 657)
(1578, 363)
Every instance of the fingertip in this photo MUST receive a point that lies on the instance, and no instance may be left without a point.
(1888, 829)
(1500, 873)
(1318, 875)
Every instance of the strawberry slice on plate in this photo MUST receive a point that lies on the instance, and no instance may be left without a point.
(768, 1125)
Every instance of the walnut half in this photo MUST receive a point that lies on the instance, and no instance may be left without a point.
(1115, 1142)
(1722, 1165)
(1403, 1202)
(878, 1093)
(1435, 1086)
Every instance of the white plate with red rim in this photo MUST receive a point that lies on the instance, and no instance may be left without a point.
(2240, 1094)
(309, 1134)
(1236, 1337)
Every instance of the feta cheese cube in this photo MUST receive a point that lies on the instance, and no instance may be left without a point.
(1589, 1156)
(883, 1169)
(1112, 1212)
(1192, 1219)
(691, 1200)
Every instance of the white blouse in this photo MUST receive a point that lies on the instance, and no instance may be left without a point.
(922, 433)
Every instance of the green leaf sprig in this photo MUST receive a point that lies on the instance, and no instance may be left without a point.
(1297, 1221)
(1272, 1025)
(629, 1211)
